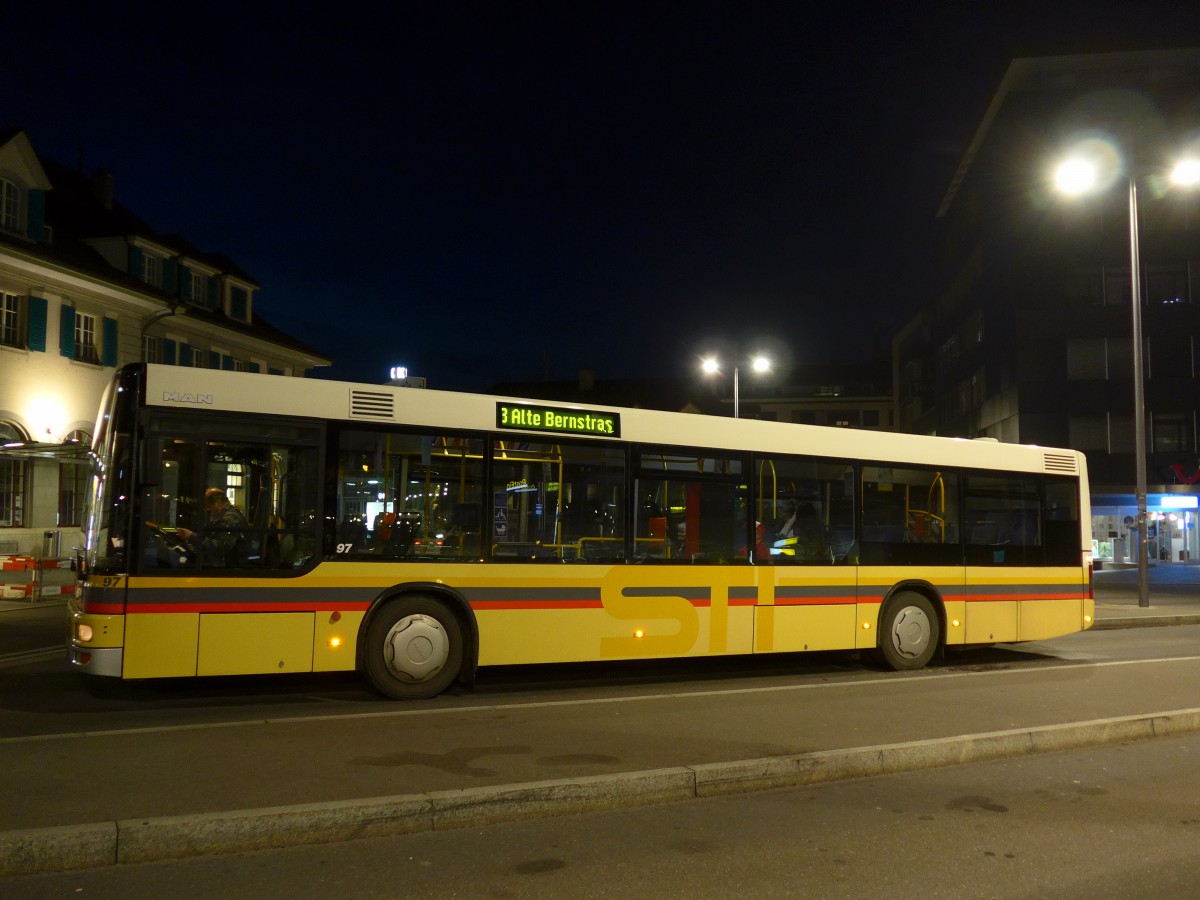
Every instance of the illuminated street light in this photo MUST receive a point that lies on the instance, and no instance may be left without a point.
(1186, 172)
(1081, 174)
(759, 364)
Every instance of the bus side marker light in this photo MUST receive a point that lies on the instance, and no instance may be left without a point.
(335, 616)
(1087, 618)
(866, 626)
(639, 633)
(335, 642)
(84, 632)
(954, 622)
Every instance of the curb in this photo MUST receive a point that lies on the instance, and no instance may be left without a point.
(70, 847)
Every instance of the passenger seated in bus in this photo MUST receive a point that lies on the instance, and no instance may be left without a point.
(224, 529)
(802, 537)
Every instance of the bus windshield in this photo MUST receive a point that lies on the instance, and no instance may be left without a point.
(106, 538)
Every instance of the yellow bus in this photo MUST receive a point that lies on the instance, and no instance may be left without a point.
(246, 523)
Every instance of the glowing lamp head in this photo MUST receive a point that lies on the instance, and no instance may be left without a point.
(1075, 176)
(1186, 172)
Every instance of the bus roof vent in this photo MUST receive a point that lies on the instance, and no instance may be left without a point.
(372, 405)
(1061, 462)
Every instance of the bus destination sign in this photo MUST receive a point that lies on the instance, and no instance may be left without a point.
(550, 418)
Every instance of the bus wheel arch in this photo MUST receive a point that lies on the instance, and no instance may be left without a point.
(416, 641)
(912, 627)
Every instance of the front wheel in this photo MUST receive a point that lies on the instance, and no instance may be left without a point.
(414, 648)
(909, 631)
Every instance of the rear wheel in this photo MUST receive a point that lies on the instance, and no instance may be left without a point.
(909, 631)
(414, 648)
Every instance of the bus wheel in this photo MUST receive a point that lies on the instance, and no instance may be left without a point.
(908, 632)
(414, 649)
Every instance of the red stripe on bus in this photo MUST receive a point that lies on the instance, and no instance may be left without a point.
(814, 601)
(536, 604)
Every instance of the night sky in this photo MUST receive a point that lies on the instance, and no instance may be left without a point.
(491, 192)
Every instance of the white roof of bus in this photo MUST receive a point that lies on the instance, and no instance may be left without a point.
(210, 389)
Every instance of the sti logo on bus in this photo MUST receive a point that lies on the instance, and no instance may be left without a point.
(550, 418)
(176, 397)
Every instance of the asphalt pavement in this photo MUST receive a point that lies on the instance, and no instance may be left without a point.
(93, 798)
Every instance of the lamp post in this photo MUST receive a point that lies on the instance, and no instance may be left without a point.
(158, 317)
(1078, 175)
(758, 364)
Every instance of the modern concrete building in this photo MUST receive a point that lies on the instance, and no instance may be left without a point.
(86, 286)
(1030, 336)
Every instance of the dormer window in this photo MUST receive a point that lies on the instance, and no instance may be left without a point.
(197, 288)
(152, 270)
(10, 206)
(239, 303)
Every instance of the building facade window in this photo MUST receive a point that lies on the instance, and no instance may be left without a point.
(12, 481)
(1118, 289)
(197, 288)
(239, 304)
(151, 349)
(1172, 433)
(1089, 433)
(10, 206)
(73, 480)
(85, 338)
(151, 270)
(1086, 359)
(1167, 286)
(11, 331)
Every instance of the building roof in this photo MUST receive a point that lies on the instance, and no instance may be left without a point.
(82, 208)
(1129, 69)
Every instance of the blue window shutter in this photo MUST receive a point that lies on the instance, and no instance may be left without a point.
(185, 282)
(108, 350)
(170, 277)
(37, 215)
(135, 262)
(214, 359)
(253, 367)
(214, 292)
(185, 354)
(168, 351)
(36, 338)
(274, 371)
(227, 363)
(66, 331)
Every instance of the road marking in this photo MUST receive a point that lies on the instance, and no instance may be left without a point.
(21, 657)
(907, 678)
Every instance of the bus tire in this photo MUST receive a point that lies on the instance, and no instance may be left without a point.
(414, 648)
(909, 631)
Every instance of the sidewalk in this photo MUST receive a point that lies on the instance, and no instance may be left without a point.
(1174, 596)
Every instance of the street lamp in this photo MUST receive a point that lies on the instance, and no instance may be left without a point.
(173, 310)
(1080, 174)
(758, 363)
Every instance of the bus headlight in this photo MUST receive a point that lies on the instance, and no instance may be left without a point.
(83, 632)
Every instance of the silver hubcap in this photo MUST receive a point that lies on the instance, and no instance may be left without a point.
(911, 632)
(416, 648)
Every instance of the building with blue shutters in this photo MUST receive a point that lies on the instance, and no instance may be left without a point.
(85, 287)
